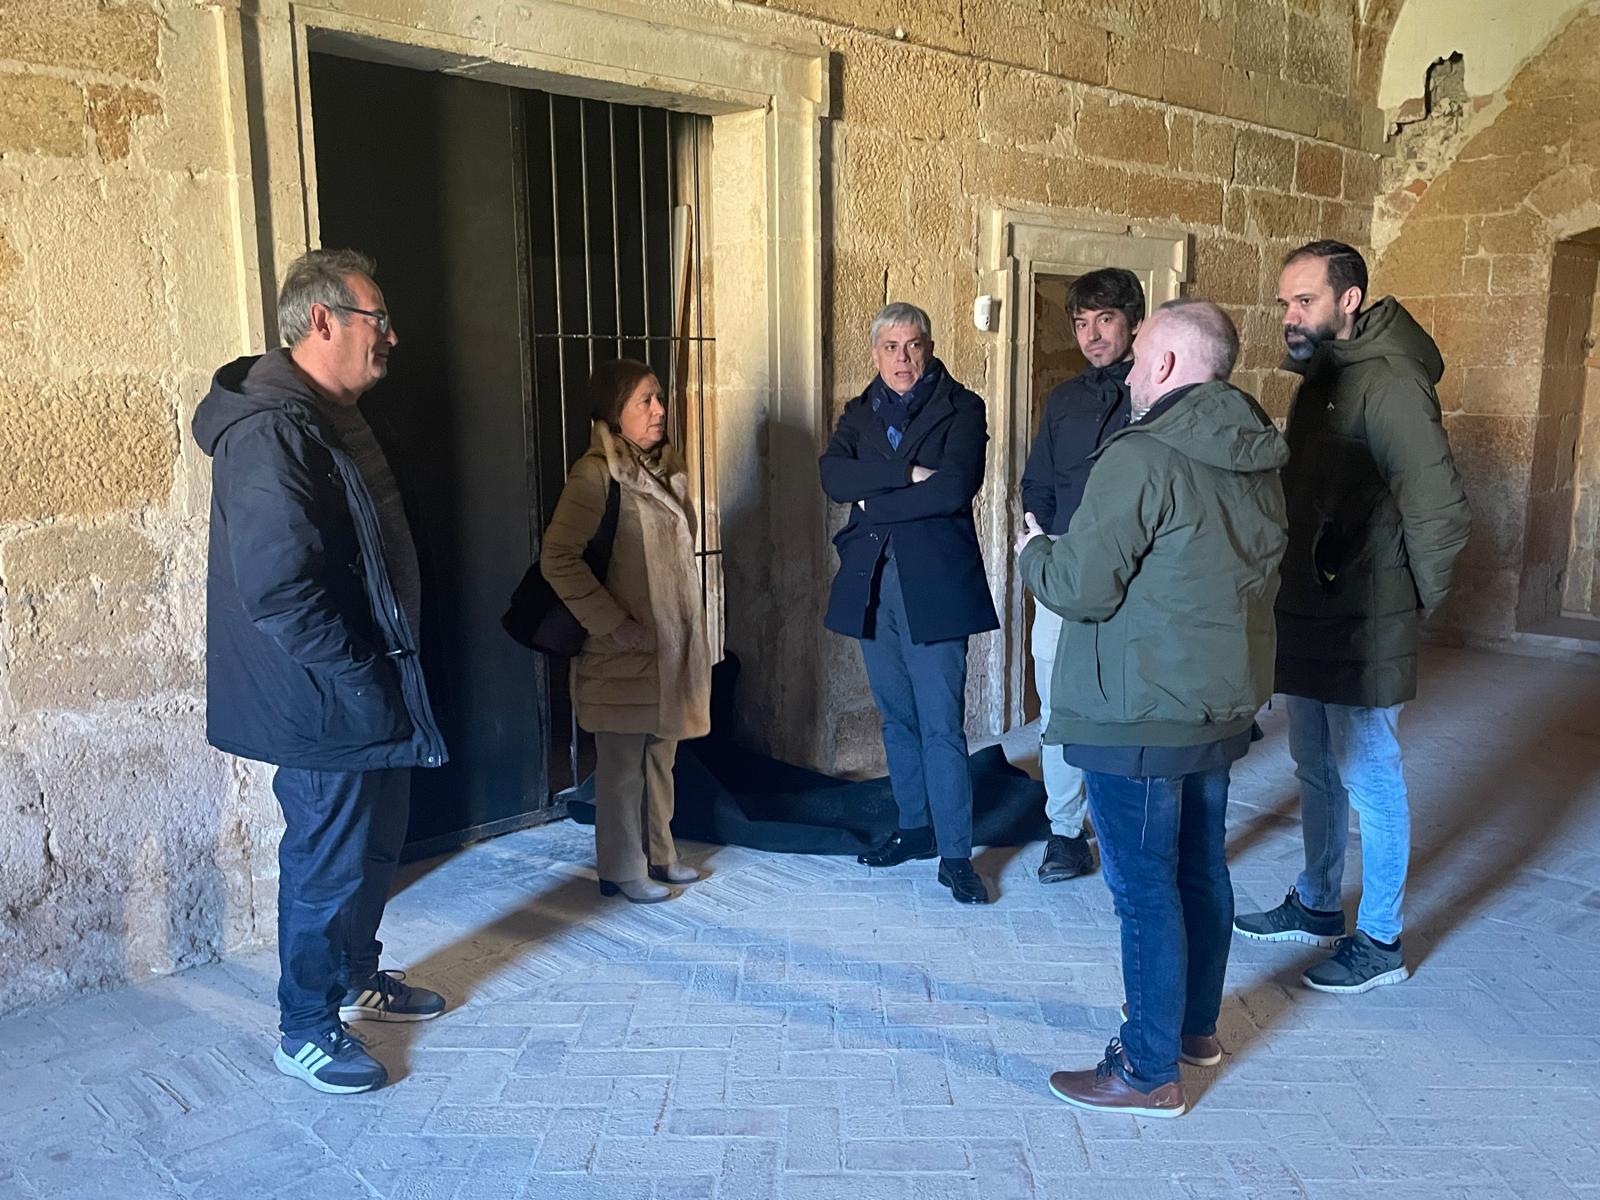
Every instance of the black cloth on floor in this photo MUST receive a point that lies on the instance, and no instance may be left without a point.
(736, 797)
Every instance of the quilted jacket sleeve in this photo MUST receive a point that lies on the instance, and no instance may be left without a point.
(577, 519)
(1412, 452)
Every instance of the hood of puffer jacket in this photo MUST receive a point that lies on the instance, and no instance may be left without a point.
(1386, 330)
(1219, 425)
(275, 387)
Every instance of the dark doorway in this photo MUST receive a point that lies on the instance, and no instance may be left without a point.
(521, 238)
(422, 171)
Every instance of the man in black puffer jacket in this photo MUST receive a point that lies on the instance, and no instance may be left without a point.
(1377, 518)
(1106, 307)
(312, 607)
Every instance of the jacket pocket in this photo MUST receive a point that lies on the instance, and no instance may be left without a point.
(1099, 666)
(1110, 667)
(1327, 556)
(364, 708)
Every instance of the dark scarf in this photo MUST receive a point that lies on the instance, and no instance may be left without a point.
(897, 411)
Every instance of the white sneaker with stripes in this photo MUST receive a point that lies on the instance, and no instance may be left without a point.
(335, 1062)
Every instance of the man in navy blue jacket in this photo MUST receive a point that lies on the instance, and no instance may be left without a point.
(908, 458)
(1106, 307)
(312, 603)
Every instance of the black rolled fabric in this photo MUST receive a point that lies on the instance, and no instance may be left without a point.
(735, 797)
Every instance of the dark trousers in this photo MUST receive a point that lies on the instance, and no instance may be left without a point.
(341, 843)
(1163, 848)
(921, 692)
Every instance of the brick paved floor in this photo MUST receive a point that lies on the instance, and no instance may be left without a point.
(807, 1028)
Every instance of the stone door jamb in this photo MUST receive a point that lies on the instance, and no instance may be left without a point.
(1017, 246)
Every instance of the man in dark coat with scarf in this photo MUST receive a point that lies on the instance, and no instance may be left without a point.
(908, 457)
(312, 615)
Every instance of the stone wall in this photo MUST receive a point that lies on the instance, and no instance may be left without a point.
(1251, 125)
(129, 261)
(1467, 242)
(126, 846)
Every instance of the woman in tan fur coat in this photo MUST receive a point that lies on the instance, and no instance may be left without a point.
(643, 680)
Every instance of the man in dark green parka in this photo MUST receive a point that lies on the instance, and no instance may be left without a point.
(1377, 517)
(1165, 581)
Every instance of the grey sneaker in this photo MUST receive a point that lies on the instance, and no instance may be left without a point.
(385, 996)
(1291, 921)
(1358, 964)
(334, 1062)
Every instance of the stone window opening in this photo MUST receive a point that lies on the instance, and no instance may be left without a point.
(618, 228)
(1056, 359)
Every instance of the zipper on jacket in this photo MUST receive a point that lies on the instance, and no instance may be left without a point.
(402, 647)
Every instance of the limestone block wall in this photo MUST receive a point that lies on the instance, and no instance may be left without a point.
(1251, 125)
(135, 185)
(126, 847)
(1469, 245)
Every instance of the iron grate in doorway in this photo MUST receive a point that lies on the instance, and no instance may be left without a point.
(618, 231)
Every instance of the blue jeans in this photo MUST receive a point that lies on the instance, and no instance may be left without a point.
(1163, 843)
(342, 835)
(921, 693)
(1350, 757)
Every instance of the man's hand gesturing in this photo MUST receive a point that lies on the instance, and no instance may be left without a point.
(1030, 530)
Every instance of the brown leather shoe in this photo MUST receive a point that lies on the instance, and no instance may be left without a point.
(1200, 1051)
(1102, 1089)
(1194, 1049)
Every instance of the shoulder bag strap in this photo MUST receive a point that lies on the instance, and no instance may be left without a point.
(606, 535)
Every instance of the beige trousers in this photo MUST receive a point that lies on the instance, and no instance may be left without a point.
(633, 801)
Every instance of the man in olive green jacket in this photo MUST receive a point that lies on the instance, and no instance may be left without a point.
(1165, 582)
(1377, 516)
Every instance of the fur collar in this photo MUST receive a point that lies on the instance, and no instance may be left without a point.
(622, 461)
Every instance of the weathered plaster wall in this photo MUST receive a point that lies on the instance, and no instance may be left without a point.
(1493, 37)
(128, 258)
(1469, 247)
